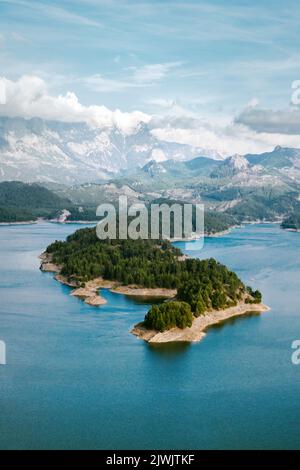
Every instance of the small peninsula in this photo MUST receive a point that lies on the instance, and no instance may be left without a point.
(292, 222)
(199, 325)
(198, 293)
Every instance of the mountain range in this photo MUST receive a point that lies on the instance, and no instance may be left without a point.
(74, 153)
(280, 167)
(86, 166)
(250, 187)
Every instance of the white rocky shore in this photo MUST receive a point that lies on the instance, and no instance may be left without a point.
(90, 292)
(197, 331)
(90, 295)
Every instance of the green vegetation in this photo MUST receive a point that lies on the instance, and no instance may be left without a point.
(168, 315)
(12, 215)
(254, 297)
(292, 221)
(23, 202)
(215, 222)
(82, 213)
(147, 263)
(75, 214)
(202, 285)
(264, 207)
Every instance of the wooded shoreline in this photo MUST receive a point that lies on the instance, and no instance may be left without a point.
(199, 326)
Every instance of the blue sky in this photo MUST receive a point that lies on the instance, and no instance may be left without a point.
(200, 58)
(127, 53)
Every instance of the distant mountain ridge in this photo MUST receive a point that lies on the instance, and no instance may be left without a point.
(25, 202)
(74, 153)
(280, 157)
(86, 166)
(35, 150)
(281, 163)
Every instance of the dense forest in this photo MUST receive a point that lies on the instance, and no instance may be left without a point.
(82, 213)
(169, 315)
(292, 221)
(23, 202)
(14, 214)
(264, 207)
(215, 222)
(201, 285)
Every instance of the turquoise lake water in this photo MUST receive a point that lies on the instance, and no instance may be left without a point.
(76, 378)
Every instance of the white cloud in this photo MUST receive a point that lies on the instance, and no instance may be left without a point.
(16, 36)
(102, 84)
(2, 92)
(273, 122)
(161, 102)
(252, 131)
(138, 77)
(153, 72)
(227, 140)
(55, 12)
(29, 97)
(225, 134)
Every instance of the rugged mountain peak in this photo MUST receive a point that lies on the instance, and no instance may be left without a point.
(232, 166)
(153, 168)
(74, 153)
(238, 162)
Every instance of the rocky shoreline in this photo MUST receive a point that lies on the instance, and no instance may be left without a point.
(90, 292)
(25, 222)
(198, 329)
(144, 292)
(290, 229)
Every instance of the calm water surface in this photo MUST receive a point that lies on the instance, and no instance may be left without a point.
(76, 378)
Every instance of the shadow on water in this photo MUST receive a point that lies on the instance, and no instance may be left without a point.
(148, 300)
(115, 299)
(177, 348)
(169, 350)
(233, 320)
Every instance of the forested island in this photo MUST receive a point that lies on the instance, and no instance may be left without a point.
(144, 267)
(24, 202)
(292, 222)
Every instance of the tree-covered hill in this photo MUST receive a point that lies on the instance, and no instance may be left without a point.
(14, 214)
(292, 221)
(16, 193)
(201, 285)
(265, 207)
(21, 201)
